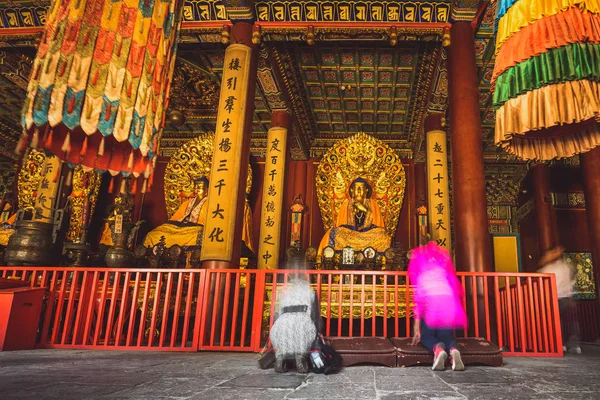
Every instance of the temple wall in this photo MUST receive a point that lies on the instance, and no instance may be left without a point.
(571, 218)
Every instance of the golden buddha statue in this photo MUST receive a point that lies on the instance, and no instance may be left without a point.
(185, 227)
(359, 223)
(360, 186)
(185, 175)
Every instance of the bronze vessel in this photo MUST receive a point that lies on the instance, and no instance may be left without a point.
(31, 244)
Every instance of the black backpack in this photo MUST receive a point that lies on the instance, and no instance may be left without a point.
(323, 358)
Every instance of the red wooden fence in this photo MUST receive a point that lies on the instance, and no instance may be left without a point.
(232, 310)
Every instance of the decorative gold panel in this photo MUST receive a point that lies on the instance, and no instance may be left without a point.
(193, 160)
(86, 184)
(346, 303)
(29, 178)
(361, 156)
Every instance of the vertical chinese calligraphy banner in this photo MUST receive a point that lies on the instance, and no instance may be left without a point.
(272, 199)
(437, 183)
(217, 243)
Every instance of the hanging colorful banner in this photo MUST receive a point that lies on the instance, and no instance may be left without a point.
(272, 199)
(437, 183)
(217, 243)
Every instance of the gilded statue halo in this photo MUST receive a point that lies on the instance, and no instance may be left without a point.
(192, 161)
(361, 156)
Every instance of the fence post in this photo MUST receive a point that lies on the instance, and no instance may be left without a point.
(200, 310)
(259, 298)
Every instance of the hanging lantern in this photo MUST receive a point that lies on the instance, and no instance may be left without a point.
(546, 79)
(100, 82)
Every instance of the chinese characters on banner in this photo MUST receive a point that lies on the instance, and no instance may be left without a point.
(272, 199)
(217, 242)
(437, 183)
(47, 190)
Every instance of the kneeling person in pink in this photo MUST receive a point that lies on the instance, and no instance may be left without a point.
(438, 304)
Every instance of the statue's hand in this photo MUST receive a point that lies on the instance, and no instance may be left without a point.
(360, 207)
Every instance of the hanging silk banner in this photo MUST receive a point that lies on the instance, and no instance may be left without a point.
(272, 199)
(217, 243)
(100, 81)
(437, 183)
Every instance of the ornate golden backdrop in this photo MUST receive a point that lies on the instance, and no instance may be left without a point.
(29, 178)
(361, 156)
(191, 161)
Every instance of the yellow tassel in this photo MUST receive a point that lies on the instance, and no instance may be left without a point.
(69, 178)
(144, 186)
(130, 162)
(66, 143)
(123, 186)
(35, 139)
(101, 147)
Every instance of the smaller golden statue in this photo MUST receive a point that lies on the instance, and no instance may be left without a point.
(185, 227)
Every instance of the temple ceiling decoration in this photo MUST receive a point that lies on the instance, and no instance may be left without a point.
(387, 100)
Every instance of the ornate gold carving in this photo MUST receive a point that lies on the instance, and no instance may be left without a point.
(362, 156)
(341, 298)
(191, 161)
(86, 184)
(29, 178)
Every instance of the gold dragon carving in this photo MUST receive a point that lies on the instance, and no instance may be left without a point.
(29, 178)
(366, 157)
(191, 161)
(86, 184)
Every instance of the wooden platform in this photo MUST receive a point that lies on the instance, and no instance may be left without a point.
(401, 353)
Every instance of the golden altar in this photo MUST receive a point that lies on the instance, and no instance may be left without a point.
(347, 300)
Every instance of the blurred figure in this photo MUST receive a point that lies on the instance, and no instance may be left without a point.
(552, 262)
(438, 304)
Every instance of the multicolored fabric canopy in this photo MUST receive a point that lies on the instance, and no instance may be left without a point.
(546, 78)
(100, 82)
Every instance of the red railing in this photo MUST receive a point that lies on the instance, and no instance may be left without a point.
(233, 310)
(102, 308)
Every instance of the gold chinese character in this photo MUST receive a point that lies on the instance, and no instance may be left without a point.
(328, 13)
(361, 13)
(344, 13)
(188, 13)
(442, 13)
(41, 14)
(279, 13)
(376, 13)
(426, 15)
(393, 13)
(27, 18)
(12, 19)
(221, 12)
(311, 13)
(263, 13)
(204, 12)
(409, 13)
(295, 13)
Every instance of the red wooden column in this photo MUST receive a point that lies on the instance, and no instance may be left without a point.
(590, 166)
(241, 32)
(544, 212)
(472, 244)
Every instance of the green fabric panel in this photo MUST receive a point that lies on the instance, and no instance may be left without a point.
(569, 63)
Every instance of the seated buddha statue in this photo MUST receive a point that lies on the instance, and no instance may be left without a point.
(185, 227)
(359, 223)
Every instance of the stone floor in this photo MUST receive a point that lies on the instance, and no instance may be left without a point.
(71, 374)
